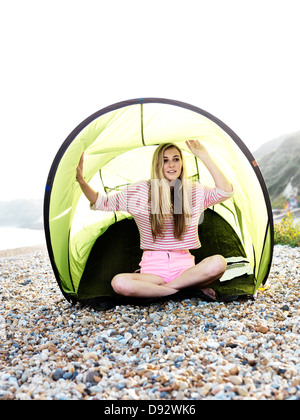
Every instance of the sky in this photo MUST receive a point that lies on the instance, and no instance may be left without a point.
(63, 60)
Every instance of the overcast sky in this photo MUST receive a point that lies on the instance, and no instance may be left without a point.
(62, 60)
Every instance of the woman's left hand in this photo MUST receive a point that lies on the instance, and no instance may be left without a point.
(200, 151)
(197, 148)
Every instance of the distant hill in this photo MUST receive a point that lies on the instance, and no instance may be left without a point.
(279, 162)
(268, 147)
(22, 213)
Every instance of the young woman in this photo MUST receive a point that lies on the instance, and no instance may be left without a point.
(166, 210)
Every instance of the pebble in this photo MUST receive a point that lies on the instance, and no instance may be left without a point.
(51, 350)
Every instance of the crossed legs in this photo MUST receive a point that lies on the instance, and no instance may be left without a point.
(201, 275)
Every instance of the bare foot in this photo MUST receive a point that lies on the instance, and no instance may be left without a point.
(209, 293)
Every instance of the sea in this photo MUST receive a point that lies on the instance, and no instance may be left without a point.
(14, 237)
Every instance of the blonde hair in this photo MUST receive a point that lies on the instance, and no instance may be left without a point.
(164, 201)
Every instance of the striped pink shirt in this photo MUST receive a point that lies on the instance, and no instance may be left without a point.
(135, 200)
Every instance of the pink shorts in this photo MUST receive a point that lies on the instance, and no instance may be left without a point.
(166, 264)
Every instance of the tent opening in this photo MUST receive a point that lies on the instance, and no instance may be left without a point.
(88, 248)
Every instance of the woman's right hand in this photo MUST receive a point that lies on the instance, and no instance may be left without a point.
(88, 191)
(79, 170)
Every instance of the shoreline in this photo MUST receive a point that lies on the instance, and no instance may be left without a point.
(22, 250)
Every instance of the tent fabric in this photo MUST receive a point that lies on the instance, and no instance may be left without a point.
(118, 142)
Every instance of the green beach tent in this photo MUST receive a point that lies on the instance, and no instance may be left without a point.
(87, 248)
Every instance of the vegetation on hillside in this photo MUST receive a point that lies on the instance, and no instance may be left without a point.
(287, 232)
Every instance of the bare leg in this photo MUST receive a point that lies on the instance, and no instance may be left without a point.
(141, 285)
(201, 275)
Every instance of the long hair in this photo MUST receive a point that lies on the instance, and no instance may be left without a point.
(165, 200)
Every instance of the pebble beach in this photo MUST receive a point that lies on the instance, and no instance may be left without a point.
(175, 350)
